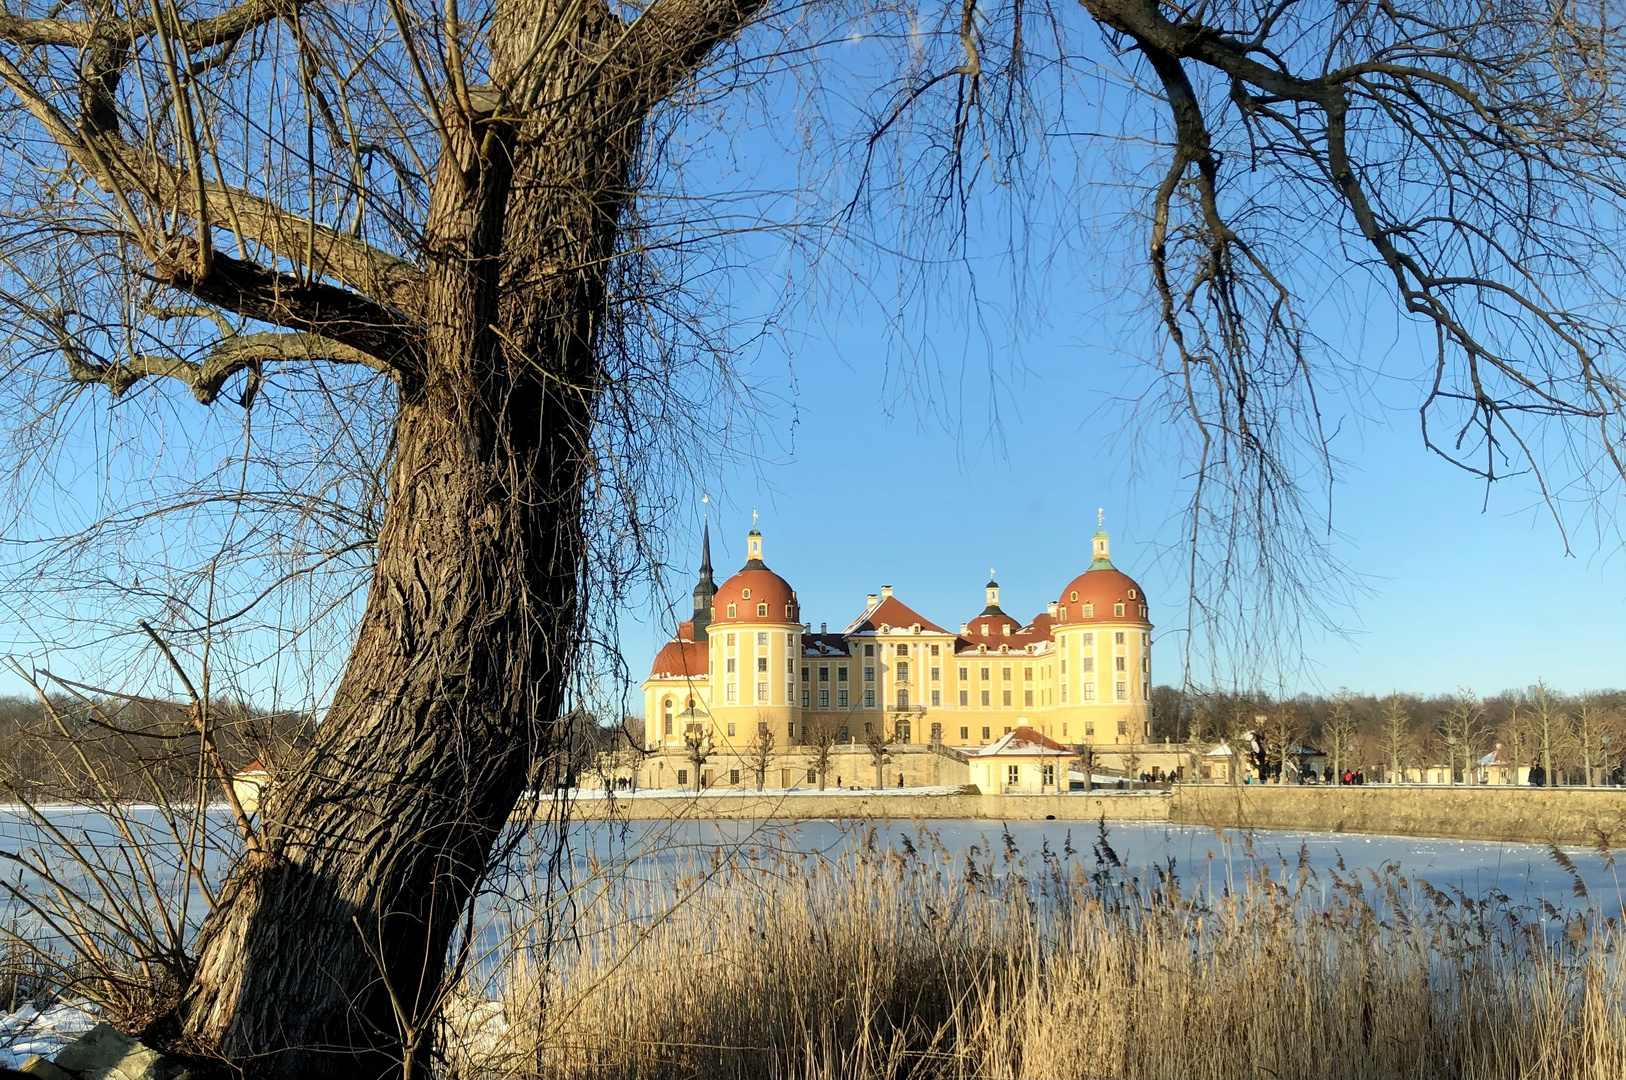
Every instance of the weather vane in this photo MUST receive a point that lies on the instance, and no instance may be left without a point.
(753, 517)
(990, 573)
(1101, 518)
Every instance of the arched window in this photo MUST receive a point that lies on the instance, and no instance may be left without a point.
(937, 733)
(902, 731)
(666, 727)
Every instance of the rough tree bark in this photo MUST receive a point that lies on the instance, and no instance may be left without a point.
(332, 941)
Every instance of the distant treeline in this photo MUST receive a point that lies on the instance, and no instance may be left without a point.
(1531, 726)
(100, 748)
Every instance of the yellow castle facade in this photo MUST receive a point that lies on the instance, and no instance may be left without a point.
(746, 669)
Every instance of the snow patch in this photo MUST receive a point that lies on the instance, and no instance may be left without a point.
(32, 1030)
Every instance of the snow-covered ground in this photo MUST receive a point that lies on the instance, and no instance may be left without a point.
(31, 1030)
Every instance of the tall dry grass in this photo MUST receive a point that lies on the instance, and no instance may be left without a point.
(918, 962)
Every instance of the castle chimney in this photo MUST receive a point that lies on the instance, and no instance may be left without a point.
(1052, 609)
(871, 601)
(824, 628)
(886, 592)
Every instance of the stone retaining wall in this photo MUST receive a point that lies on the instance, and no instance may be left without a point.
(1521, 814)
(1527, 815)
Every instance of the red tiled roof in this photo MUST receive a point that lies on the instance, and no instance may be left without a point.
(1038, 628)
(1024, 741)
(681, 660)
(891, 612)
(991, 629)
(766, 587)
(1103, 589)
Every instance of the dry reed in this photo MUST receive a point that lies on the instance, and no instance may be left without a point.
(882, 962)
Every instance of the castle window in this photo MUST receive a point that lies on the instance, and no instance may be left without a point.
(731, 731)
(937, 733)
(732, 612)
(985, 699)
(733, 693)
(762, 663)
(984, 629)
(869, 649)
(965, 734)
(841, 673)
(1146, 663)
(745, 594)
(1064, 665)
(1005, 698)
(869, 674)
(841, 698)
(762, 639)
(1005, 674)
(804, 674)
(1064, 731)
(683, 778)
(963, 675)
(903, 699)
(869, 699)
(903, 649)
(903, 670)
(846, 735)
(1064, 693)
(934, 650)
(790, 612)
(734, 777)
(762, 611)
(790, 667)
(1118, 610)
(1143, 611)
(1013, 774)
(1131, 594)
(1123, 727)
(984, 734)
(937, 674)
(1123, 691)
(1089, 663)
(812, 775)
(937, 697)
(1073, 596)
(805, 694)
(824, 699)
(1089, 611)
(1089, 639)
(731, 663)
(762, 691)
(982, 648)
(984, 674)
(824, 673)
(1118, 638)
(1119, 663)
(1089, 691)
(1007, 629)
(1027, 698)
(731, 641)
(1146, 641)
(965, 698)
(1062, 614)
(1089, 729)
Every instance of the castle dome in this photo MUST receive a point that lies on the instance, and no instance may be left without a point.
(1101, 592)
(755, 594)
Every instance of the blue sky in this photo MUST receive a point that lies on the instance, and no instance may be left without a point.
(862, 488)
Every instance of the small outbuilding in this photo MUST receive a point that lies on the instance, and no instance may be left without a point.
(1022, 761)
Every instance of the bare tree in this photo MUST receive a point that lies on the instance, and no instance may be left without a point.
(1396, 737)
(1463, 726)
(823, 745)
(1280, 729)
(432, 210)
(697, 749)
(1547, 724)
(877, 743)
(1590, 725)
(761, 754)
(1340, 731)
(1084, 754)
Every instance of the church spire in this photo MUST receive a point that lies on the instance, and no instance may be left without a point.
(705, 589)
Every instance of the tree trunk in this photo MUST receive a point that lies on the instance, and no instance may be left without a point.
(326, 953)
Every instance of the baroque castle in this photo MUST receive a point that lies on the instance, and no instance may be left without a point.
(747, 669)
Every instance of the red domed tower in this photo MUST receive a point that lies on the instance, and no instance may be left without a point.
(1103, 634)
(755, 644)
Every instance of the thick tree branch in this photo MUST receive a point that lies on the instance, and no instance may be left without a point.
(210, 32)
(207, 377)
(665, 44)
(121, 170)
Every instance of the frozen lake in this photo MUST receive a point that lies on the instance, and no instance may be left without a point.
(656, 853)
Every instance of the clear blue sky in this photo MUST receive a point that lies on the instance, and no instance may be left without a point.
(860, 489)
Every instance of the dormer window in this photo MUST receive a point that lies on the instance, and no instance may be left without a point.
(1143, 611)
(762, 611)
(984, 629)
(1089, 610)
(1062, 614)
(1073, 596)
(790, 611)
(1131, 594)
(982, 648)
(1118, 610)
(732, 611)
(745, 594)
(1007, 629)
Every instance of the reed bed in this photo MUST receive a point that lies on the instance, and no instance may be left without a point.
(918, 962)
